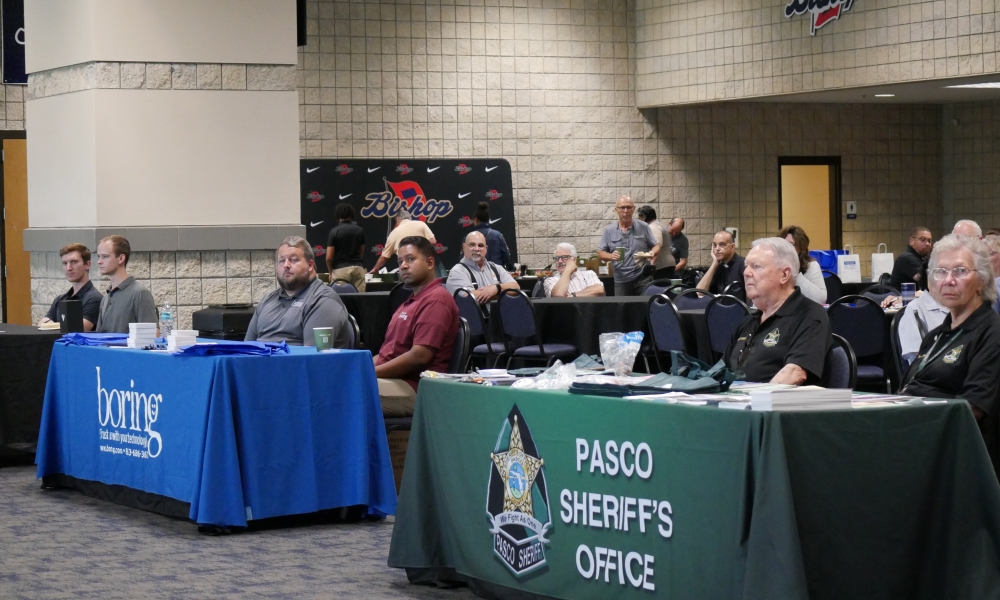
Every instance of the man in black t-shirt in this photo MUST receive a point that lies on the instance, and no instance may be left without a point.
(911, 265)
(678, 244)
(75, 260)
(344, 248)
(788, 340)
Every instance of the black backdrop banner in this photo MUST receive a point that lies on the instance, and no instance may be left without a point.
(13, 42)
(442, 193)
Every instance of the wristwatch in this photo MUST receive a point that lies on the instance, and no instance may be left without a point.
(573, 294)
(499, 289)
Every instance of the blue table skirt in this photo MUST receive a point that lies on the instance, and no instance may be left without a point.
(237, 437)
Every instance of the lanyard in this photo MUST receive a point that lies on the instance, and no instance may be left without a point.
(933, 353)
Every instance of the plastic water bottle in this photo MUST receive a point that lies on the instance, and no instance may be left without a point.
(166, 320)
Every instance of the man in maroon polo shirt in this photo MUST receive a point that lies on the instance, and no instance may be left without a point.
(421, 333)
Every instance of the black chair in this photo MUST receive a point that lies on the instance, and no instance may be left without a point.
(397, 296)
(884, 279)
(691, 299)
(538, 291)
(654, 290)
(897, 348)
(517, 321)
(460, 351)
(722, 316)
(862, 322)
(665, 328)
(733, 288)
(834, 287)
(879, 292)
(355, 332)
(470, 310)
(343, 286)
(841, 368)
(673, 290)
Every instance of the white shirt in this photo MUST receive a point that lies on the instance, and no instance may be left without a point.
(579, 281)
(811, 283)
(931, 313)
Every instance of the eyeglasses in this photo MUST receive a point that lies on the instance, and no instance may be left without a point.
(562, 258)
(624, 208)
(957, 273)
(925, 240)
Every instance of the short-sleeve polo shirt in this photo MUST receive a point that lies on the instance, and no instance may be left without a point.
(428, 318)
(797, 333)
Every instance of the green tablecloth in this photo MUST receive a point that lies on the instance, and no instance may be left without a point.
(896, 502)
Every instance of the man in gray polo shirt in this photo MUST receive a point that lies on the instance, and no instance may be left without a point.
(300, 303)
(474, 272)
(634, 236)
(126, 301)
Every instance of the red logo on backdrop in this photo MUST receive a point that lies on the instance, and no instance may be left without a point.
(320, 250)
(403, 169)
(493, 194)
(408, 195)
(343, 169)
(440, 248)
(462, 169)
(821, 11)
(465, 222)
(378, 248)
(315, 196)
(407, 191)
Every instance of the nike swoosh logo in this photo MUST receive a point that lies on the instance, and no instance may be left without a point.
(311, 224)
(492, 221)
(488, 169)
(312, 169)
(460, 196)
(373, 170)
(342, 196)
(430, 170)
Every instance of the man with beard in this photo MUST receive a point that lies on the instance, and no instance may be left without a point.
(486, 280)
(301, 302)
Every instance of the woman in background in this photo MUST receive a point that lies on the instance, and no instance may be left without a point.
(809, 279)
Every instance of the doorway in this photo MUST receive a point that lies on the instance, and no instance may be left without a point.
(16, 274)
(809, 196)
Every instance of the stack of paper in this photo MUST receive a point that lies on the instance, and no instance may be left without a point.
(179, 338)
(141, 335)
(808, 397)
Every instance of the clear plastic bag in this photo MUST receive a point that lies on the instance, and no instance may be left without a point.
(618, 351)
(557, 377)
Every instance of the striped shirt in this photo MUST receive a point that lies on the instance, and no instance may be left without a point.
(579, 281)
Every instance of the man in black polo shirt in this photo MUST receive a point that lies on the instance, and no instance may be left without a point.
(345, 246)
(911, 265)
(788, 340)
(76, 265)
(727, 267)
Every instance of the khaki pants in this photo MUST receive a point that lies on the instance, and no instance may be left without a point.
(397, 397)
(356, 275)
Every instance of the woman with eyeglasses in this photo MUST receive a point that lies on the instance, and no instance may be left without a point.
(961, 357)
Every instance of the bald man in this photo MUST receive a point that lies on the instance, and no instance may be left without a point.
(678, 244)
(619, 243)
(486, 280)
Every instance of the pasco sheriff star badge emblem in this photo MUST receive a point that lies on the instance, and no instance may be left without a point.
(517, 502)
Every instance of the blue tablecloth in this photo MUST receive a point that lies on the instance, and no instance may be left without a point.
(237, 437)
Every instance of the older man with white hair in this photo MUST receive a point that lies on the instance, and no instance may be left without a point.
(969, 228)
(788, 340)
(570, 281)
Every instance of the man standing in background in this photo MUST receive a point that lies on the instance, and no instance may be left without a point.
(663, 268)
(345, 246)
(405, 227)
(619, 243)
(678, 244)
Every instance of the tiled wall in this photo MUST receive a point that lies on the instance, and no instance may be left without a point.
(970, 163)
(696, 50)
(188, 280)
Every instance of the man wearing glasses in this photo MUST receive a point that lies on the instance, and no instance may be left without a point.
(570, 281)
(911, 265)
(619, 243)
(727, 268)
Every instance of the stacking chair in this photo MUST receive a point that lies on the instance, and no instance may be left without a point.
(879, 292)
(884, 279)
(538, 291)
(655, 290)
(460, 351)
(470, 310)
(665, 329)
(355, 332)
(397, 296)
(862, 322)
(343, 286)
(517, 321)
(897, 348)
(722, 316)
(834, 287)
(733, 288)
(841, 368)
(691, 299)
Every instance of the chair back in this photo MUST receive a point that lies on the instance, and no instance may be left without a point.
(733, 288)
(460, 351)
(538, 291)
(884, 279)
(834, 287)
(470, 310)
(517, 318)
(673, 290)
(897, 346)
(841, 368)
(654, 290)
(664, 324)
(354, 331)
(343, 286)
(879, 292)
(397, 296)
(722, 316)
(692, 298)
(862, 322)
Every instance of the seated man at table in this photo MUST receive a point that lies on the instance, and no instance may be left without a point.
(486, 280)
(421, 333)
(76, 266)
(127, 301)
(727, 267)
(569, 281)
(788, 340)
(301, 302)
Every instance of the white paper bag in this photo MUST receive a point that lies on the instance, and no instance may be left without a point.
(849, 266)
(881, 263)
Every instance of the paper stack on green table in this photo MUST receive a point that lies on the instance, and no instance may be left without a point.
(809, 397)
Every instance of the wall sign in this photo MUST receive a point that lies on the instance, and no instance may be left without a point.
(820, 12)
(13, 42)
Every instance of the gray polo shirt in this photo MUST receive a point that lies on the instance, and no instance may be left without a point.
(127, 303)
(637, 238)
(490, 274)
(292, 318)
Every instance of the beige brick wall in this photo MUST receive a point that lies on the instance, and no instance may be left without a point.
(970, 163)
(696, 50)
